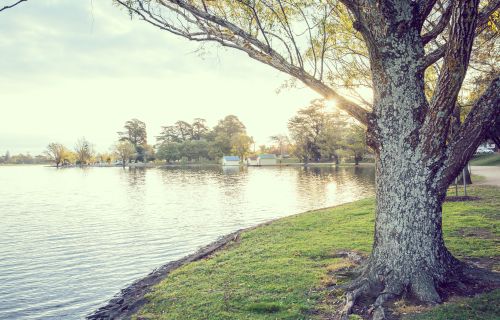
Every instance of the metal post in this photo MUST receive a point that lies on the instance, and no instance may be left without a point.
(456, 186)
(465, 183)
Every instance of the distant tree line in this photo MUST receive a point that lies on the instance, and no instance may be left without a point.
(181, 141)
(23, 158)
(315, 135)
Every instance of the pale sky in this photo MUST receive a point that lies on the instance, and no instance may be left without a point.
(73, 68)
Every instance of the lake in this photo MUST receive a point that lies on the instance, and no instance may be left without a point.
(70, 239)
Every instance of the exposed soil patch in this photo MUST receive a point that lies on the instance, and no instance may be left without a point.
(476, 232)
(490, 263)
(352, 256)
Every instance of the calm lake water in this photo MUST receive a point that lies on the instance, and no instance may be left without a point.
(70, 239)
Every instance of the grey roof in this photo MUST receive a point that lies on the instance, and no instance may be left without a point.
(267, 156)
(231, 158)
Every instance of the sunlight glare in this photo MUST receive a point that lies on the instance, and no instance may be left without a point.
(331, 104)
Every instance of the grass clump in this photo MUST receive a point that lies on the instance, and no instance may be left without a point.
(264, 307)
(284, 270)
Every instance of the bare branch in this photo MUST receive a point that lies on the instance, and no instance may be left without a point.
(205, 25)
(323, 47)
(434, 56)
(290, 33)
(425, 8)
(256, 16)
(440, 26)
(309, 30)
(12, 5)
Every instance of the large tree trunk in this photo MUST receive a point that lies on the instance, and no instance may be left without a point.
(408, 251)
(409, 255)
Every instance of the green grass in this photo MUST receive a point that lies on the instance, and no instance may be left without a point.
(492, 159)
(476, 178)
(279, 271)
(483, 307)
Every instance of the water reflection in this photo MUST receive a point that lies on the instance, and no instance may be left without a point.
(135, 176)
(70, 239)
(230, 170)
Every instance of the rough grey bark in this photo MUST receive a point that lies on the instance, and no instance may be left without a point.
(408, 253)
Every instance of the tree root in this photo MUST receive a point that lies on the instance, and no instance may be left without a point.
(424, 289)
(422, 286)
(351, 298)
(390, 290)
(376, 310)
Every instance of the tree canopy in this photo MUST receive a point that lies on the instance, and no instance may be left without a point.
(319, 133)
(135, 132)
(196, 140)
(57, 152)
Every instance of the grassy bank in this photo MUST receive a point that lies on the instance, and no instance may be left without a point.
(492, 159)
(283, 270)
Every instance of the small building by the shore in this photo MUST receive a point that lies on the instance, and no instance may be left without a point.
(252, 161)
(267, 159)
(230, 161)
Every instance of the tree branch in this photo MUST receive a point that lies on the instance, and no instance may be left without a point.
(12, 5)
(485, 13)
(482, 22)
(457, 54)
(214, 28)
(456, 61)
(424, 9)
(352, 5)
(434, 56)
(440, 26)
(465, 141)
